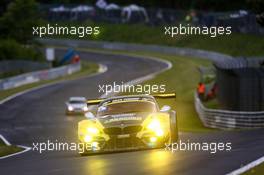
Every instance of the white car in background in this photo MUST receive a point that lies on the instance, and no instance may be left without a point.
(76, 105)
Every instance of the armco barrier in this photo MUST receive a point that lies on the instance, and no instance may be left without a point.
(36, 76)
(213, 56)
(225, 119)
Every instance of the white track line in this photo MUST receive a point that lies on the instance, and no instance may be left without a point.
(4, 140)
(247, 167)
(17, 153)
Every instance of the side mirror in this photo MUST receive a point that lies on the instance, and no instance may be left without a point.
(89, 115)
(165, 108)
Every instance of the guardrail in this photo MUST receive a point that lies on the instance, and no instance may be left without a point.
(197, 53)
(36, 76)
(225, 119)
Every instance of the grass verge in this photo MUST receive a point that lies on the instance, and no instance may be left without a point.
(87, 68)
(234, 44)
(256, 170)
(6, 150)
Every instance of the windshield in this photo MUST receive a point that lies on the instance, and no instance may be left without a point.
(127, 107)
(77, 102)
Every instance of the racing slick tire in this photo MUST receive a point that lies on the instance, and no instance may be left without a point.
(174, 133)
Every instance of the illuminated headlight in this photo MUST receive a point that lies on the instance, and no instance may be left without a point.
(85, 108)
(159, 132)
(155, 126)
(153, 139)
(88, 138)
(70, 108)
(92, 130)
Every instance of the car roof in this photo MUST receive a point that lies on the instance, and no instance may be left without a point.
(77, 99)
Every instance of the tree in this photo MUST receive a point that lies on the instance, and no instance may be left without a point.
(256, 5)
(3, 6)
(18, 20)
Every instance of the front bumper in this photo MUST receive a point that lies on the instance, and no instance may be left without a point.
(118, 143)
(75, 111)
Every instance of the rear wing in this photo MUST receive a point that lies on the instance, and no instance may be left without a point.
(95, 101)
(165, 95)
(161, 95)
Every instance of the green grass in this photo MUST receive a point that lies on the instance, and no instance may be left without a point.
(6, 150)
(212, 104)
(87, 68)
(256, 171)
(234, 44)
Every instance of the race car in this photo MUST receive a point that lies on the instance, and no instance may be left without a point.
(127, 123)
(76, 105)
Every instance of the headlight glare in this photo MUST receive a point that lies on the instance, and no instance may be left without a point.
(88, 138)
(159, 132)
(153, 125)
(70, 108)
(85, 108)
(92, 130)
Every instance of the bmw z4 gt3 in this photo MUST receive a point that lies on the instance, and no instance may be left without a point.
(128, 122)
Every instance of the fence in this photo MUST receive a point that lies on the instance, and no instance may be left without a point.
(240, 84)
(225, 119)
(36, 76)
(213, 56)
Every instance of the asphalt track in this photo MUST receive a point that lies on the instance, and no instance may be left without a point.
(39, 115)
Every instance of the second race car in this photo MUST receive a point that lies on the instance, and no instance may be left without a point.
(76, 105)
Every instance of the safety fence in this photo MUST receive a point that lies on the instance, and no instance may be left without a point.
(202, 54)
(225, 119)
(32, 77)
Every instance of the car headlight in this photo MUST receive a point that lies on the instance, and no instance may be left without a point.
(155, 127)
(70, 108)
(88, 138)
(92, 130)
(154, 124)
(85, 108)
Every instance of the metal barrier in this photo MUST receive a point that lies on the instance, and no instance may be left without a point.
(36, 76)
(225, 119)
(197, 53)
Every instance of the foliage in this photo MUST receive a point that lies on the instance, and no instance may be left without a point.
(18, 20)
(10, 49)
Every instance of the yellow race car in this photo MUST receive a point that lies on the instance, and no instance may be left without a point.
(128, 122)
